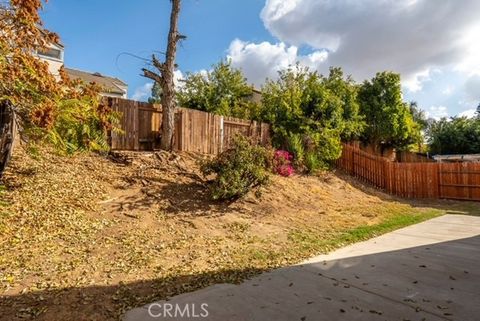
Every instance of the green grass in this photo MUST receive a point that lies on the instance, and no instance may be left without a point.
(311, 241)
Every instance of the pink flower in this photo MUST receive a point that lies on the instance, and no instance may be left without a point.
(283, 155)
(283, 165)
(285, 170)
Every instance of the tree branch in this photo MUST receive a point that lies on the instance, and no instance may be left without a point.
(151, 75)
(180, 37)
(158, 64)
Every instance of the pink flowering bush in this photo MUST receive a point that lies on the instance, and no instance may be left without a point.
(282, 163)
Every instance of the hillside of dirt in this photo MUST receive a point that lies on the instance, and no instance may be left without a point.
(87, 237)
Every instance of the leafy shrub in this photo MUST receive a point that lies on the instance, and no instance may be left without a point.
(61, 111)
(312, 162)
(309, 112)
(282, 163)
(81, 125)
(328, 146)
(239, 169)
(316, 150)
(295, 146)
(223, 90)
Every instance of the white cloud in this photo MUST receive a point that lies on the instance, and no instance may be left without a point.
(143, 92)
(264, 60)
(448, 90)
(470, 113)
(472, 87)
(178, 78)
(412, 37)
(437, 112)
(415, 82)
(365, 36)
(470, 63)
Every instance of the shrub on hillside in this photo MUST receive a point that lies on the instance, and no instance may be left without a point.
(282, 163)
(295, 146)
(311, 113)
(77, 122)
(239, 169)
(312, 163)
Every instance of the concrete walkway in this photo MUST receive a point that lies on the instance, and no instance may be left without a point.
(429, 271)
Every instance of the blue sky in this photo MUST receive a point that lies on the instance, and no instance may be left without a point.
(96, 34)
(434, 45)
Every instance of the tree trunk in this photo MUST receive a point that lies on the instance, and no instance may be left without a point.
(168, 86)
(7, 135)
(164, 77)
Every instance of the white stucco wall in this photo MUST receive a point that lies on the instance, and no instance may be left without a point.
(54, 64)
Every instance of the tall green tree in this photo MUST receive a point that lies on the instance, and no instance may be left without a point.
(390, 122)
(419, 115)
(458, 135)
(156, 95)
(321, 110)
(223, 91)
(345, 89)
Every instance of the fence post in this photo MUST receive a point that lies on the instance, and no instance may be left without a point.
(439, 179)
(221, 134)
(353, 169)
(136, 124)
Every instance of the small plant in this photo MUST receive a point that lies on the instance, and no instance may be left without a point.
(296, 147)
(312, 162)
(282, 162)
(239, 169)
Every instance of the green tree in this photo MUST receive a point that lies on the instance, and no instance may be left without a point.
(156, 96)
(390, 122)
(418, 115)
(223, 91)
(322, 110)
(458, 135)
(346, 90)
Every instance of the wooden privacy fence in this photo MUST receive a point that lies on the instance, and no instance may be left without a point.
(459, 181)
(195, 131)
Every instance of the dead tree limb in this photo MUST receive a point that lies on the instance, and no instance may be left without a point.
(164, 75)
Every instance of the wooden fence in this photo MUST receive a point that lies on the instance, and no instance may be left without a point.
(195, 131)
(409, 157)
(459, 181)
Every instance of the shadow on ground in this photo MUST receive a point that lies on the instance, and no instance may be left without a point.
(428, 282)
(186, 194)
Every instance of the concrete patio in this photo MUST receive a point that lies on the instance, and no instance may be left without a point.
(429, 271)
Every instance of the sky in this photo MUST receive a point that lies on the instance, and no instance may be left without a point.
(433, 44)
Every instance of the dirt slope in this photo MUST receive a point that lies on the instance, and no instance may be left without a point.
(85, 237)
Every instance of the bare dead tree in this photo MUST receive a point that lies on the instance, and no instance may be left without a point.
(164, 75)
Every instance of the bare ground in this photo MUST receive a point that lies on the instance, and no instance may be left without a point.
(86, 237)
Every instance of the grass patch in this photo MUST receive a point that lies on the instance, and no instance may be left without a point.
(395, 222)
(312, 241)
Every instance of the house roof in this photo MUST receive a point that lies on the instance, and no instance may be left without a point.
(110, 84)
(457, 158)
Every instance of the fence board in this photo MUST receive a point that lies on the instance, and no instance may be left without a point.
(195, 131)
(413, 180)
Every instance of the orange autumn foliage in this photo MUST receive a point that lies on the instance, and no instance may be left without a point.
(42, 103)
